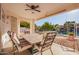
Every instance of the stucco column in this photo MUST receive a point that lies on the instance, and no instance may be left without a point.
(0, 29)
(32, 26)
(0, 35)
(18, 26)
(15, 25)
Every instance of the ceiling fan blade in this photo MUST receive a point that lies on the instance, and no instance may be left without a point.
(37, 6)
(37, 10)
(28, 5)
(28, 9)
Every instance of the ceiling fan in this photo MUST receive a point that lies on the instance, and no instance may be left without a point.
(33, 7)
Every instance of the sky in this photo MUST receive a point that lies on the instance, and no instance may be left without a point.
(60, 18)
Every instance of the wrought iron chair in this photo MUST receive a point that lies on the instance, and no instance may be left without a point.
(46, 43)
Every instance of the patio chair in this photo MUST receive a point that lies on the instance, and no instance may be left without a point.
(46, 43)
(19, 44)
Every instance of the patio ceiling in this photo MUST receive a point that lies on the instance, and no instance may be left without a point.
(45, 8)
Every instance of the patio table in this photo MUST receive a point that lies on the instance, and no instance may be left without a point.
(33, 39)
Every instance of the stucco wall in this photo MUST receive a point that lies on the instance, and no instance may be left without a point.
(0, 29)
(6, 25)
(0, 25)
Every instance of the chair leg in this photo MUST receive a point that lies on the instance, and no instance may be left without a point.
(51, 51)
(41, 52)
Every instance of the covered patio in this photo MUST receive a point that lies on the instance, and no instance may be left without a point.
(12, 14)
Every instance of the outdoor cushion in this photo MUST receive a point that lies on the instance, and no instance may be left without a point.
(5, 40)
(15, 37)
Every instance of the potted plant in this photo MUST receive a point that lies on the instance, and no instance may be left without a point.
(71, 36)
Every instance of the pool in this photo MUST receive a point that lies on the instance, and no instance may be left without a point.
(66, 33)
(77, 33)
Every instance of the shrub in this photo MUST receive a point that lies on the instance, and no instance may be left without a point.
(24, 24)
(71, 33)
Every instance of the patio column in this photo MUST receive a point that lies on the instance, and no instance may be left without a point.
(18, 26)
(32, 26)
(0, 35)
(15, 25)
(0, 29)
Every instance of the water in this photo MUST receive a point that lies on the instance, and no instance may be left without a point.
(77, 33)
(66, 33)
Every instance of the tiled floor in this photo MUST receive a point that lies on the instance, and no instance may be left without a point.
(59, 50)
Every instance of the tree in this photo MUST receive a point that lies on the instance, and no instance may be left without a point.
(24, 24)
(46, 27)
(57, 27)
(69, 26)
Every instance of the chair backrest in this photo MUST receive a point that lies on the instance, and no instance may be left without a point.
(13, 39)
(48, 40)
(19, 44)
